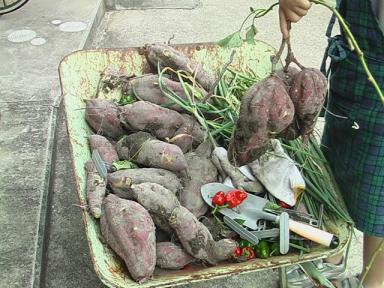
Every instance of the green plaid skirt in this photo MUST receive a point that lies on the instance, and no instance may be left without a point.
(353, 139)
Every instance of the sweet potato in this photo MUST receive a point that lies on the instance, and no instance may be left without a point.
(129, 230)
(105, 148)
(193, 235)
(226, 169)
(96, 188)
(102, 116)
(189, 135)
(121, 181)
(144, 149)
(171, 256)
(266, 110)
(224, 249)
(308, 91)
(145, 116)
(287, 76)
(166, 56)
(146, 88)
(200, 171)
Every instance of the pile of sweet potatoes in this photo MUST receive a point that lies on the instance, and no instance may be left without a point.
(286, 104)
(150, 214)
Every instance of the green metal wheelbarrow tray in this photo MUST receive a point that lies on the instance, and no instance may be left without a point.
(79, 76)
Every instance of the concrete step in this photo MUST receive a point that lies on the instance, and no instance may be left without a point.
(151, 4)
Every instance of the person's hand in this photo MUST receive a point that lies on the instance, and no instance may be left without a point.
(292, 11)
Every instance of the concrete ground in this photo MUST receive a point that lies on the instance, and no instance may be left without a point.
(42, 243)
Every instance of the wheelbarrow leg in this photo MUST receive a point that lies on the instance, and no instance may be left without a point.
(283, 277)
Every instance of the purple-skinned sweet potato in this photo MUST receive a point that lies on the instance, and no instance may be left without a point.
(105, 148)
(266, 110)
(144, 149)
(96, 188)
(308, 91)
(200, 171)
(146, 88)
(171, 256)
(121, 181)
(146, 116)
(189, 135)
(129, 230)
(193, 235)
(224, 249)
(102, 116)
(166, 56)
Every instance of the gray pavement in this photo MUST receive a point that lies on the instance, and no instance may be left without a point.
(43, 243)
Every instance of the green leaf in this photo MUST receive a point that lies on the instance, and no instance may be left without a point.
(240, 221)
(271, 206)
(250, 35)
(124, 164)
(231, 41)
(126, 99)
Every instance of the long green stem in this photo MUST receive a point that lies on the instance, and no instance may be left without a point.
(369, 266)
(360, 53)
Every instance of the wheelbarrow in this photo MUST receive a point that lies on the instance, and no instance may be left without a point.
(79, 77)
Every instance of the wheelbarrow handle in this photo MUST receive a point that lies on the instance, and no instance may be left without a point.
(314, 234)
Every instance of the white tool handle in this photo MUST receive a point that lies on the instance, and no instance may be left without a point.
(313, 234)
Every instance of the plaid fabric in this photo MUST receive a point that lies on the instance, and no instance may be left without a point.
(354, 142)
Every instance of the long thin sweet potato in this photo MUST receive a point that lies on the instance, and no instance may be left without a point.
(193, 235)
(96, 188)
(102, 116)
(200, 171)
(171, 256)
(146, 116)
(146, 88)
(105, 148)
(144, 149)
(121, 181)
(166, 56)
(129, 230)
(226, 169)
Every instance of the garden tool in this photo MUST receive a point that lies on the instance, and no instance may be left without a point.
(251, 210)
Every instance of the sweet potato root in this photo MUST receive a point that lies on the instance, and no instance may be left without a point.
(129, 230)
(102, 116)
(105, 148)
(226, 169)
(171, 256)
(144, 149)
(266, 110)
(166, 56)
(287, 76)
(189, 135)
(96, 188)
(200, 171)
(145, 116)
(307, 92)
(224, 249)
(121, 181)
(193, 235)
(146, 88)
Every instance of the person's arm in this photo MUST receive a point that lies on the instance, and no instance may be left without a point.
(293, 11)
